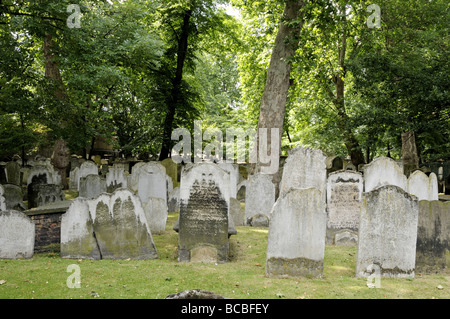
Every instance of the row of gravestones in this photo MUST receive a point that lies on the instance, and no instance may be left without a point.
(393, 231)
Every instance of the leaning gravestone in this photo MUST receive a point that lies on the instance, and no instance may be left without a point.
(296, 242)
(17, 233)
(203, 221)
(432, 236)
(383, 171)
(13, 197)
(77, 232)
(423, 186)
(387, 233)
(304, 168)
(259, 196)
(12, 170)
(344, 193)
(92, 185)
(111, 226)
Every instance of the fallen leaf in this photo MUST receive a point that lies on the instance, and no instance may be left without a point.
(2, 282)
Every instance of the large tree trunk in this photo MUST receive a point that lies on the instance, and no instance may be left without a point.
(273, 103)
(410, 157)
(174, 97)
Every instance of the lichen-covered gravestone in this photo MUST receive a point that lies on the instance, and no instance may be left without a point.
(432, 236)
(85, 169)
(114, 227)
(259, 196)
(204, 209)
(383, 171)
(387, 233)
(17, 233)
(344, 193)
(12, 170)
(296, 242)
(116, 177)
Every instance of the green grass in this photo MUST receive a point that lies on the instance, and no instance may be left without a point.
(45, 275)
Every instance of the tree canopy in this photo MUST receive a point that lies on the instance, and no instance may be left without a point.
(131, 71)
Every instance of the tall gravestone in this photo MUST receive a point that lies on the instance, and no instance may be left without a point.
(304, 168)
(423, 186)
(432, 236)
(17, 233)
(259, 196)
(344, 193)
(171, 170)
(203, 221)
(387, 233)
(61, 160)
(296, 242)
(383, 171)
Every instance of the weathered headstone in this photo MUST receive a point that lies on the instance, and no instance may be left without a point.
(92, 185)
(77, 232)
(423, 186)
(61, 160)
(410, 159)
(156, 212)
(259, 196)
(120, 226)
(171, 170)
(13, 196)
(344, 194)
(173, 202)
(85, 169)
(233, 169)
(116, 177)
(204, 214)
(237, 212)
(38, 173)
(16, 235)
(2, 199)
(383, 171)
(334, 163)
(110, 226)
(241, 189)
(41, 194)
(296, 242)
(304, 168)
(12, 170)
(432, 236)
(387, 233)
(73, 179)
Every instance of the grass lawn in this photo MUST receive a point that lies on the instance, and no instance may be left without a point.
(45, 275)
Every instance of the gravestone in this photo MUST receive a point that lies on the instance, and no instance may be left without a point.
(38, 173)
(86, 168)
(344, 193)
(173, 202)
(304, 168)
(237, 212)
(2, 199)
(12, 171)
(16, 235)
(410, 159)
(233, 169)
(204, 214)
(91, 186)
(423, 186)
(42, 194)
(171, 170)
(156, 213)
(116, 177)
(334, 163)
(387, 233)
(296, 242)
(110, 226)
(73, 179)
(77, 232)
(383, 171)
(241, 189)
(432, 236)
(61, 160)
(259, 196)
(13, 197)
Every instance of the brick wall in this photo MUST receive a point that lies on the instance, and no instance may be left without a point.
(48, 232)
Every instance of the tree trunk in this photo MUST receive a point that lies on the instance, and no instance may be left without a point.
(52, 67)
(410, 157)
(273, 103)
(174, 97)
